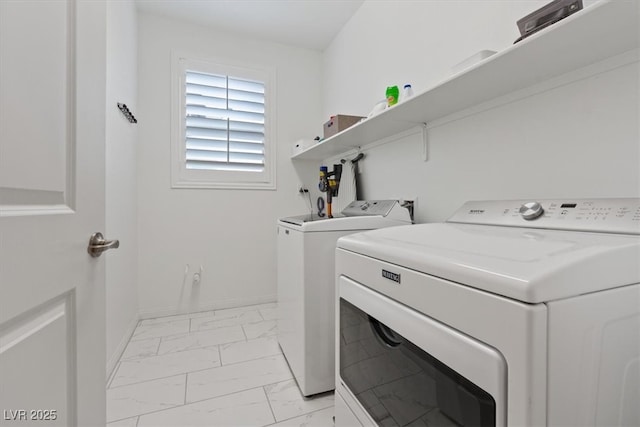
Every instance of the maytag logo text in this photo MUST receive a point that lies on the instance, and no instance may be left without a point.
(391, 276)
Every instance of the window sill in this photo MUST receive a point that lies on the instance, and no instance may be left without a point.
(223, 185)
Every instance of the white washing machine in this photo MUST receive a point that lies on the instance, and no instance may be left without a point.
(508, 314)
(306, 285)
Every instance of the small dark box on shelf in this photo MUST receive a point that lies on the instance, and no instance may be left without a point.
(339, 123)
(547, 15)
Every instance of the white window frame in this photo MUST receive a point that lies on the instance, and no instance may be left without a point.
(181, 177)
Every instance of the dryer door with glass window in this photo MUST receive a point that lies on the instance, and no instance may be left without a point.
(403, 367)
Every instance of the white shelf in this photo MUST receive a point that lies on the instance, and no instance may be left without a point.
(604, 30)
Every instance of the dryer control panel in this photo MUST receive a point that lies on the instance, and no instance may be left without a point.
(596, 215)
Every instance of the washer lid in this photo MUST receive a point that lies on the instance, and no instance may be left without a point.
(299, 220)
(529, 265)
(359, 215)
(340, 223)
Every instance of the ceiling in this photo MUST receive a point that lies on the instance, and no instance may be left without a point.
(310, 24)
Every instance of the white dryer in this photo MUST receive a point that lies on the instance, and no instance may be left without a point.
(508, 314)
(306, 285)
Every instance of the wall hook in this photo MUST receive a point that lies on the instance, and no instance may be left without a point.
(128, 114)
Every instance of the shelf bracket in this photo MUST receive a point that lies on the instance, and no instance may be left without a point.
(425, 143)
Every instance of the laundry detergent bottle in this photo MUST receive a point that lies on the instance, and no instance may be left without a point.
(392, 95)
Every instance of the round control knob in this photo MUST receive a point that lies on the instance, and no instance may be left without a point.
(531, 210)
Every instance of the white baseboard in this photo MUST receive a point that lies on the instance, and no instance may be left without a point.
(213, 305)
(113, 360)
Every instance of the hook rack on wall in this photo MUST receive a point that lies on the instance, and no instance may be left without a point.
(128, 114)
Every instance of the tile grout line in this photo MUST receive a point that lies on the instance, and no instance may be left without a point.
(196, 348)
(189, 331)
(172, 336)
(180, 351)
(250, 360)
(186, 387)
(241, 391)
(266, 395)
(200, 315)
(143, 414)
(244, 332)
(204, 369)
(148, 381)
(187, 404)
(158, 348)
(137, 417)
(237, 320)
(159, 336)
(298, 416)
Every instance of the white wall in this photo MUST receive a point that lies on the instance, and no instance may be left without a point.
(121, 189)
(231, 233)
(577, 139)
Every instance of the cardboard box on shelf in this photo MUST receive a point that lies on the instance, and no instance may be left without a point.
(339, 123)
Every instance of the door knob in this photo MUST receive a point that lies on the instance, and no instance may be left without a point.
(98, 244)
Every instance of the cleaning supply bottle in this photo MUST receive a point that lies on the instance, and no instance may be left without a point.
(392, 95)
(407, 92)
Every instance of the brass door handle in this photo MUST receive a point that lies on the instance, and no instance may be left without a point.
(98, 244)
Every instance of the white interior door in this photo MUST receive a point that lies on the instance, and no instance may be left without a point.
(52, 132)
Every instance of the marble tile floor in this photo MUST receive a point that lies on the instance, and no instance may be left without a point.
(215, 368)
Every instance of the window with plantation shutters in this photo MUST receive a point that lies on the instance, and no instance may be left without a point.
(224, 122)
